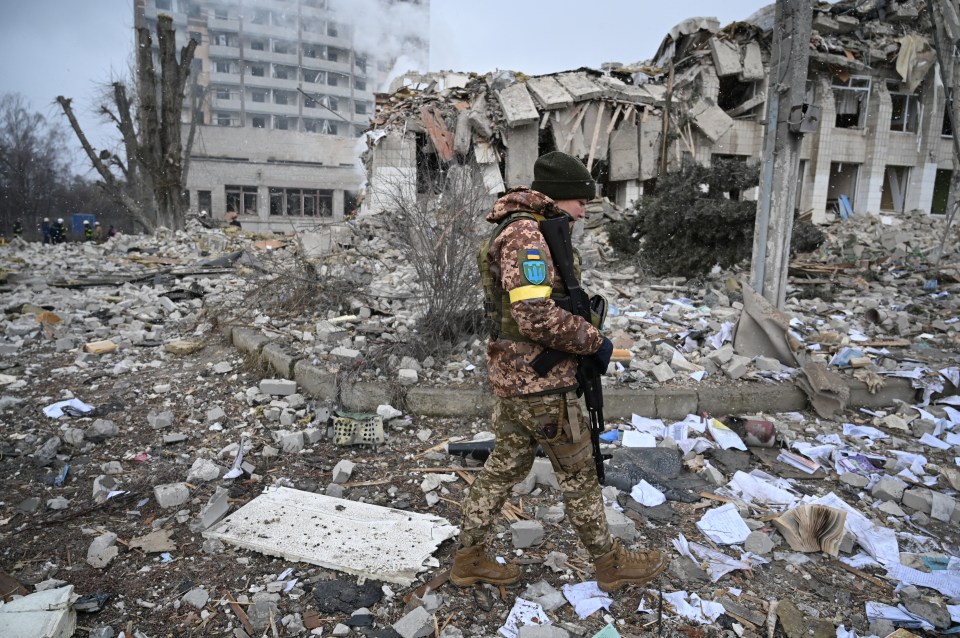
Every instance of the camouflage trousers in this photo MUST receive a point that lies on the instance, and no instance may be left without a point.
(554, 421)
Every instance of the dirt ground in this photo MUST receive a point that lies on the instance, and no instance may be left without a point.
(143, 590)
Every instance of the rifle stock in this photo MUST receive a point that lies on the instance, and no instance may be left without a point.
(556, 233)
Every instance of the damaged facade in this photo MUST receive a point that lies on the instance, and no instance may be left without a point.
(881, 142)
(284, 93)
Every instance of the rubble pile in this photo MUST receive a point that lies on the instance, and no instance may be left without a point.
(135, 436)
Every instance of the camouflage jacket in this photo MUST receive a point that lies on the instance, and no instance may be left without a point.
(520, 262)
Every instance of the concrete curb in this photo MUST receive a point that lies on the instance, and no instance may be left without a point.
(619, 403)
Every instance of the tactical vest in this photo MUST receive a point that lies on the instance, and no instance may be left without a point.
(496, 302)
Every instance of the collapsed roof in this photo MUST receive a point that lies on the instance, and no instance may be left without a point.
(703, 76)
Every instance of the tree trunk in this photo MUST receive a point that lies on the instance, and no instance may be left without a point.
(111, 185)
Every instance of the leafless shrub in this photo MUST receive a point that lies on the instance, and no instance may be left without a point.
(436, 226)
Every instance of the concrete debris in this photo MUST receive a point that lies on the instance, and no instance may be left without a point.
(102, 550)
(372, 541)
(869, 307)
(44, 614)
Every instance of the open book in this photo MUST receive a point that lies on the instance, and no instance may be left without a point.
(812, 528)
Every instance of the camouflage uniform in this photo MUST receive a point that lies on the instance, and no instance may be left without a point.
(530, 409)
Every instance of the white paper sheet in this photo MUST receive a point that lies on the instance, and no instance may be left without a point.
(586, 598)
(647, 495)
(751, 489)
(882, 611)
(632, 438)
(724, 436)
(643, 424)
(718, 564)
(55, 410)
(724, 525)
(692, 607)
(524, 613)
(932, 441)
(677, 431)
(863, 431)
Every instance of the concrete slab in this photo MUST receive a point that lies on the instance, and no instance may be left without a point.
(549, 92)
(45, 614)
(277, 356)
(579, 86)
(752, 63)
(518, 106)
(355, 538)
(726, 57)
(522, 147)
(711, 119)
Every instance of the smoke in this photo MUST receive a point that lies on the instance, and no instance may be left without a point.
(388, 30)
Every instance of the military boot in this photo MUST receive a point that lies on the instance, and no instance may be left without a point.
(620, 567)
(472, 565)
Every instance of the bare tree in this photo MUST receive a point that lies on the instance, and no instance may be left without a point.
(151, 179)
(32, 166)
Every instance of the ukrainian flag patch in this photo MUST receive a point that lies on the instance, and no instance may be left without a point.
(533, 266)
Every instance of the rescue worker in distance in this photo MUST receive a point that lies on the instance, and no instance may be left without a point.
(524, 295)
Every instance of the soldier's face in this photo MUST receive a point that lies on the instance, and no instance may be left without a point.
(576, 208)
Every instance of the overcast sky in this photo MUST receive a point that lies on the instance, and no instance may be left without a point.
(54, 47)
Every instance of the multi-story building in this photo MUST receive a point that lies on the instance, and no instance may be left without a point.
(285, 96)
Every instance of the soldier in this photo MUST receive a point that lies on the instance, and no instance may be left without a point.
(525, 294)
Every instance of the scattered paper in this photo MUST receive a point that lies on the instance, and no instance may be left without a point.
(698, 375)
(863, 431)
(632, 438)
(647, 495)
(524, 613)
(677, 431)
(946, 583)
(717, 564)
(692, 607)
(751, 489)
(235, 470)
(724, 525)
(643, 424)
(586, 598)
(859, 560)
(932, 441)
(56, 410)
(798, 461)
(724, 436)
(898, 616)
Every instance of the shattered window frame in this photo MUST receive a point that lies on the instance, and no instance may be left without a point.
(300, 202)
(858, 88)
(258, 121)
(240, 199)
(225, 119)
(906, 109)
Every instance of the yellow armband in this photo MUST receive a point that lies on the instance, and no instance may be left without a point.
(530, 292)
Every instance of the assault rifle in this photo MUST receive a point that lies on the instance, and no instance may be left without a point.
(556, 232)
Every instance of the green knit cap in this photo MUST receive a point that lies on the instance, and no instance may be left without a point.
(561, 176)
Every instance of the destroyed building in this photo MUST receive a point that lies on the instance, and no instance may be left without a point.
(882, 144)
